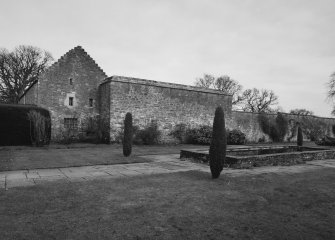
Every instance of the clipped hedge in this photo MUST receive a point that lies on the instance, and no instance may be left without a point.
(17, 129)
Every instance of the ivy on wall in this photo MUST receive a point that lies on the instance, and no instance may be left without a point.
(279, 127)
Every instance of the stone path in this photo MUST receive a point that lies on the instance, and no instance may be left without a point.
(161, 164)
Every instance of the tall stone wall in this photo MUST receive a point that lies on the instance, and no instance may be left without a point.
(167, 104)
(249, 124)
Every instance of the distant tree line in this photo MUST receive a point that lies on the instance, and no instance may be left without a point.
(249, 100)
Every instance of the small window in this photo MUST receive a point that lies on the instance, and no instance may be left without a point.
(90, 102)
(71, 123)
(70, 101)
(71, 81)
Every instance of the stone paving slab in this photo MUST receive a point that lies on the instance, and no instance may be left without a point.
(16, 175)
(130, 173)
(32, 174)
(2, 177)
(44, 180)
(19, 183)
(49, 172)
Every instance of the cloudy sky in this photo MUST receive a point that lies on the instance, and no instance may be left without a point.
(284, 45)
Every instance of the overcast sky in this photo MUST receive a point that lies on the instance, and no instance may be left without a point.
(287, 46)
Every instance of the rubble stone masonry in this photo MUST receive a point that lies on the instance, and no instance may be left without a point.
(165, 103)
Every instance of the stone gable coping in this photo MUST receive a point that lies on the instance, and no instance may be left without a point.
(62, 59)
(284, 113)
(78, 49)
(161, 84)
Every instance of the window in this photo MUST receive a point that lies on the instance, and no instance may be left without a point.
(90, 102)
(71, 81)
(71, 123)
(70, 101)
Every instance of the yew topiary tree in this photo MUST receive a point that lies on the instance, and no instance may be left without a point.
(128, 135)
(299, 137)
(217, 150)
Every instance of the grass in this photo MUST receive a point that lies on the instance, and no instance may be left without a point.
(186, 205)
(17, 158)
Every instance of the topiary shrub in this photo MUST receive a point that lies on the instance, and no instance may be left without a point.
(128, 135)
(217, 150)
(17, 129)
(148, 136)
(236, 137)
(299, 137)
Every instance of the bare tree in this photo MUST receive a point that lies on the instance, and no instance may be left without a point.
(223, 83)
(256, 100)
(19, 69)
(207, 81)
(231, 87)
(301, 111)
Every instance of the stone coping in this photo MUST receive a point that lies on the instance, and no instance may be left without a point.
(268, 159)
(162, 84)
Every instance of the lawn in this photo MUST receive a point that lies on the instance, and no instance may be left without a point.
(17, 158)
(186, 205)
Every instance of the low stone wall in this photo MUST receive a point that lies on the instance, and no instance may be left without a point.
(263, 156)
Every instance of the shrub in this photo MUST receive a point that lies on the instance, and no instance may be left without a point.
(217, 150)
(264, 123)
(275, 129)
(201, 135)
(274, 133)
(333, 129)
(236, 137)
(17, 129)
(179, 132)
(299, 137)
(148, 136)
(128, 135)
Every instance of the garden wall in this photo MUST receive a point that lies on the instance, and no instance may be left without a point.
(164, 103)
(313, 127)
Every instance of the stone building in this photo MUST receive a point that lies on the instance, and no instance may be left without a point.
(83, 100)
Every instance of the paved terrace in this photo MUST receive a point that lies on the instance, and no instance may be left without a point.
(161, 164)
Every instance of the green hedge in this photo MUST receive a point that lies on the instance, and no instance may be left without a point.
(17, 129)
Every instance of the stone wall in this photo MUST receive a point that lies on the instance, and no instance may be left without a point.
(165, 103)
(248, 123)
(104, 110)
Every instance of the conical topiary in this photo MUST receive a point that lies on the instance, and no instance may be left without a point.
(217, 150)
(128, 135)
(299, 137)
